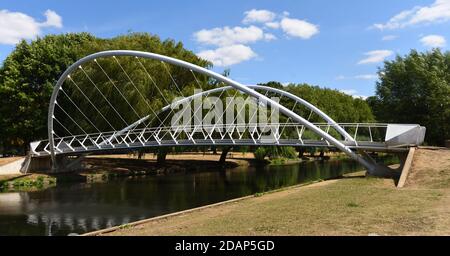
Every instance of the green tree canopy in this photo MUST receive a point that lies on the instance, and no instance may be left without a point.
(29, 73)
(341, 107)
(416, 89)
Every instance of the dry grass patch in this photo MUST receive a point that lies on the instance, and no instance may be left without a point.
(353, 206)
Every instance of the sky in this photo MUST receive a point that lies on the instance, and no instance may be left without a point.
(333, 44)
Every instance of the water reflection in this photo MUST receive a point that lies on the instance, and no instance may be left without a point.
(79, 208)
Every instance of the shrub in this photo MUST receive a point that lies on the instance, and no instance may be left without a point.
(260, 153)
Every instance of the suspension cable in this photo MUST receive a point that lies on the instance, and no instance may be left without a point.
(131, 81)
(195, 77)
(104, 97)
(289, 118)
(98, 64)
(80, 110)
(67, 130)
(71, 118)
(171, 77)
(91, 103)
(153, 81)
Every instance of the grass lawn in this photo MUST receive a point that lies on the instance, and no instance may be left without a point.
(355, 205)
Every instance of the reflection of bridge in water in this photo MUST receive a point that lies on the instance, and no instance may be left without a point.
(50, 217)
(116, 100)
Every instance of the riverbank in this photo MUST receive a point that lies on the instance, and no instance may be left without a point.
(101, 168)
(104, 167)
(353, 205)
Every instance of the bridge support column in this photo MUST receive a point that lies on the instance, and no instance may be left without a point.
(161, 155)
(224, 154)
(381, 170)
(44, 164)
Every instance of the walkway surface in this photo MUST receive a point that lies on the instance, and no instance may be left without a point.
(354, 205)
(11, 165)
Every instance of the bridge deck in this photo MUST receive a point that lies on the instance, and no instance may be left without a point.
(371, 146)
(372, 138)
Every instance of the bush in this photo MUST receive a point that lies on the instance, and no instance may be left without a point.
(281, 152)
(260, 154)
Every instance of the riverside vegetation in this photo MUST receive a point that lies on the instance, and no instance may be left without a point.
(414, 88)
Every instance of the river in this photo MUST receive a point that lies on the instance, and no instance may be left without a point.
(82, 207)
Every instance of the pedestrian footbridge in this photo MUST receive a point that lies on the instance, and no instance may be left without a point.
(124, 100)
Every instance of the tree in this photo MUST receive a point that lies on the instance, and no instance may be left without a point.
(29, 73)
(27, 77)
(415, 88)
(339, 106)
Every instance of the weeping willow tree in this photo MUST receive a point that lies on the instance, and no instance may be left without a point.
(28, 74)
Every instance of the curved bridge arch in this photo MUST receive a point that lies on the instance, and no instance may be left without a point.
(297, 99)
(249, 90)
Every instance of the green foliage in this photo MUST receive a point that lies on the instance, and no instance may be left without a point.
(278, 161)
(26, 183)
(339, 106)
(258, 194)
(29, 73)
(27, 77)
(281, 152)
(275, 152)
(243, 149)
(352, 205)
(416, 89)
(260, 153)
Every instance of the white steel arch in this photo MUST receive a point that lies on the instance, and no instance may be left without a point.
(249, 90)
(297, 99)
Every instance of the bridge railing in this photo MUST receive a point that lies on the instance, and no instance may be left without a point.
(216, 134)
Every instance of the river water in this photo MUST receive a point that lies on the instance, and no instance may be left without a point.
(80, 207)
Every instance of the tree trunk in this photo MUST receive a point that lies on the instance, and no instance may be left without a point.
(224, 154)
(141, 153)
(25, 148)
(301, 151)
(322, 154)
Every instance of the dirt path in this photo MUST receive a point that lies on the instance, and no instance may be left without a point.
(192, 159)
(430, 168)
(349, 206)
(7, 171)
(7, 160)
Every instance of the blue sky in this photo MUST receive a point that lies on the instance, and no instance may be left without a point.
(334, 44)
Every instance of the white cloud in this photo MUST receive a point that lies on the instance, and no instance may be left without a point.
(15, 26)
(228, 55)
(366, 77)
(360, 77)
(353, 93)
(439, 11)
(298, 28)
(348, 91)
(389, 37)
(433, 41)
(375, 56)
(258, 16)
(269, 37)
(53, 19)
(229, 36)
(231, 42)
(274, 25)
